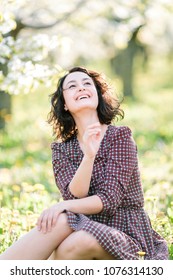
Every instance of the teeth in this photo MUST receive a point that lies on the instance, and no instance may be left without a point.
(83, 96)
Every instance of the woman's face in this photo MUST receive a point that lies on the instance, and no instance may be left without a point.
(79, 92)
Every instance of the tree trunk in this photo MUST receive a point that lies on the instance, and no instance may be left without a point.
(5, 98)
(123, 64)
(5, 108)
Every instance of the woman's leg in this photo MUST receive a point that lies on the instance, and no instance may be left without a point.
(80, 245)
(36, 245)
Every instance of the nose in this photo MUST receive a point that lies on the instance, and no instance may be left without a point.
(81, 87)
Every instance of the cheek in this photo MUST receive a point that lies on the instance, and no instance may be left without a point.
(68, 102)
(66, 99)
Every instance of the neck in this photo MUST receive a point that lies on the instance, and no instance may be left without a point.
(83, 120)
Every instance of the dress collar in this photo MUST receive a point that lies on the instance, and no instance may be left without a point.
(72, 148)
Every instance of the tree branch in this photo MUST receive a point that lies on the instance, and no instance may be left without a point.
(57, 21)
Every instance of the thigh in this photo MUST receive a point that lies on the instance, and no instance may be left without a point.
(35, 245)
(82, 245)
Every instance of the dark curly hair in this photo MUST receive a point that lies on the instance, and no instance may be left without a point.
(64, 126)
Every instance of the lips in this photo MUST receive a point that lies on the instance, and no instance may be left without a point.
(82, 96)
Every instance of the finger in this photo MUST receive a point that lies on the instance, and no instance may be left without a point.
(93, 130)
(39, 221)
(44, 223)
(96, 132)
(50, 222)
(96, 124)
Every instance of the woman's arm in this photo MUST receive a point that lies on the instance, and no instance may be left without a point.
(87, 206)
(121, 175)
(79, 185)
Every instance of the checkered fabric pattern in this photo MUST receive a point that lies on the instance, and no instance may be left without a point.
(123, 227)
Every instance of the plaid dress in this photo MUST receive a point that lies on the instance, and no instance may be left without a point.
(122, 228)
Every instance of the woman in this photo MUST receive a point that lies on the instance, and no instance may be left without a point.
(96, 169)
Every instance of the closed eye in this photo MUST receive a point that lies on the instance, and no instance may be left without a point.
(87, 83)
(72, 86)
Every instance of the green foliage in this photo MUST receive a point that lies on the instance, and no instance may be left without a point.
(20, 208)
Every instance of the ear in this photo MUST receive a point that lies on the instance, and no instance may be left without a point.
(65, 107)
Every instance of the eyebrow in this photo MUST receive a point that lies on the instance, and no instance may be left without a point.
(73, 81)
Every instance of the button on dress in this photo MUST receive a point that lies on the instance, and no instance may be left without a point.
(123, 227)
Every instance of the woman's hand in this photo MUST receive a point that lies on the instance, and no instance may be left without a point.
(92, 139)
(48, 218)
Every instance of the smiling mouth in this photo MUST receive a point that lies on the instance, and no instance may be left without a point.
(83, 97)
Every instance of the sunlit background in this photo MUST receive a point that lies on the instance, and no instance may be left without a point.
(131, 42)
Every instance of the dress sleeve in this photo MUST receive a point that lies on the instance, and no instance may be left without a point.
(63, 170)
(121, 162)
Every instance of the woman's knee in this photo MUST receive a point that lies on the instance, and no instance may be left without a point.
(62, 219)
(61, 230)
(78, 245)
(85, 241)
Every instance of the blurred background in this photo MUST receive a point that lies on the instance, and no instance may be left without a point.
(131, 43)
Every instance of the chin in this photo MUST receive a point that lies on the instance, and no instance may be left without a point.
(85, 108)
